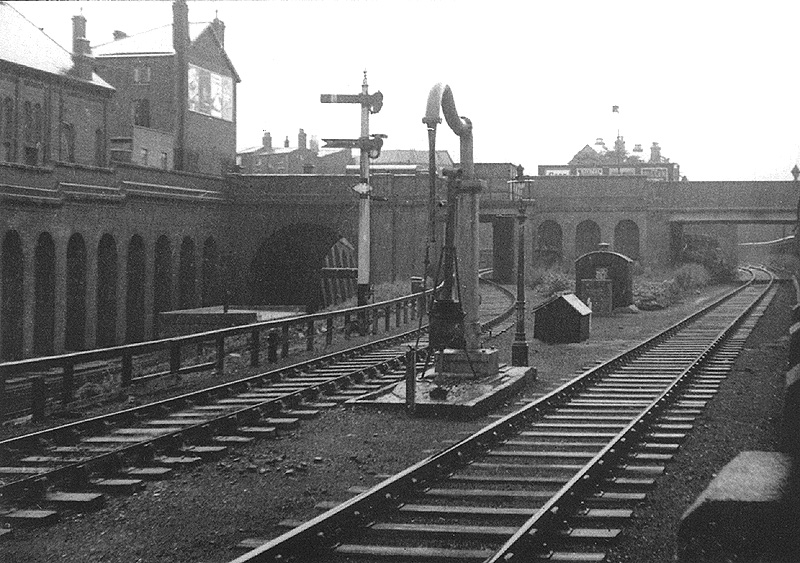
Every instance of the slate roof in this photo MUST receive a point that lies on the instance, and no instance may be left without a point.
(412, 156)
(24, 44)
(156, 42)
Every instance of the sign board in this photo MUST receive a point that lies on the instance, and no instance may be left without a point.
(210, 93)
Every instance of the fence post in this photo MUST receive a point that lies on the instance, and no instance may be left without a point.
(3, 375)
(284, 341)
(329, 331)
(374, 312)
(220, 354)
(38, 398)
(127, 368)
(272, 346)
(387, 321)
(254, 347)
(67, 383)
(347, 326)
(405, 313)
(411, 380)
(310, 335)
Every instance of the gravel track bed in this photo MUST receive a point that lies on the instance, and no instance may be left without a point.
(203, 512)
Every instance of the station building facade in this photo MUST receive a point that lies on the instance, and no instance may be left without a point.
(53, 106)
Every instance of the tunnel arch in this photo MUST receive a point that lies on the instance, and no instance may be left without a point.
(75, 310)
(106, 292)
(134, 299)
(587, 237)
(626, 239)
(44, 295)
(286, 267)
(12, 310)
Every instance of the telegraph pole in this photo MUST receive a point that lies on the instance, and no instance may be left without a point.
(369, 147)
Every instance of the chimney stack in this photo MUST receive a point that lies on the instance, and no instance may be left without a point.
(82, 60)
(655, 153)
(314, 145)
(180, 42)
(219, 30)
(301, 139)
(266, 141)
(286, 142)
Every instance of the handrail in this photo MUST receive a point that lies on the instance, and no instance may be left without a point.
(278, 329)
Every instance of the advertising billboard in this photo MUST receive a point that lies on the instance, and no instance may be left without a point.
(210, 93)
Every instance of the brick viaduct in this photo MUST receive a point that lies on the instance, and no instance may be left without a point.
(89, 255)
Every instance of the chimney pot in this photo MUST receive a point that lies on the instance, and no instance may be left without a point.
(266, 140)
(301, 139)
(286, 142)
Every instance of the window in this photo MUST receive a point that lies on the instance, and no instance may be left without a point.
(145, 157)
(37, 123)
(8, 119)
(141, 74)
(67, 142)
(164, 160)
(27, 123)
(141, 112)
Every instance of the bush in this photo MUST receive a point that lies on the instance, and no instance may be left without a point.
(554, 282)
(692, 276)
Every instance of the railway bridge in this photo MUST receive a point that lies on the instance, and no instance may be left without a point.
(90, 256)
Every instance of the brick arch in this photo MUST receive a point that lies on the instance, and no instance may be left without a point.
(12, 309)
(187, 274)
(107, 269)
(136, 272)
(44, 292)
(587, 237)
(626, 239)
(162, 279)
(286, 267)
(210, 273)
(75, 311)
(549, 244)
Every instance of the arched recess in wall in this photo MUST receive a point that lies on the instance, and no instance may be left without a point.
(626, 239)
(75, 329)
(106, 292)
(587, 237)
(549, 250)
(134, 300)
(210, 295)
(187, 275)
(162, 280)
(13, 309)
(286, 269)
(337, 289)
(44, 295)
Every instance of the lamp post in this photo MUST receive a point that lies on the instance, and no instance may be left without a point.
(519, 348)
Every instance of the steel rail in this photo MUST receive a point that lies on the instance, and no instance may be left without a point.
(234, 416)
(305, 542)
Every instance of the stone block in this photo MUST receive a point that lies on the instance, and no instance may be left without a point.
(468, 363)
(745, 514)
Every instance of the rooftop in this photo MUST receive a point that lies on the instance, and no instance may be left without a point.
(25, 44)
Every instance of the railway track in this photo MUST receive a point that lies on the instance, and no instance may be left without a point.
(74, 465)
(553, 481)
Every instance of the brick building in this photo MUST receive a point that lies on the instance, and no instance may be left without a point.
(600, 161)
(175, 106)
(305, 158)
(53, 107)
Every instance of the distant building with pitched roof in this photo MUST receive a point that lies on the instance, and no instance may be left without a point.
(53, 106)
(405, 161)
(305, 158)
(600, 161)
(175, 106)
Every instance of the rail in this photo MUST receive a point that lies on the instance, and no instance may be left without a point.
(279, 336)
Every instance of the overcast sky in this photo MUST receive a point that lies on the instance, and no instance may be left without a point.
(714, 83)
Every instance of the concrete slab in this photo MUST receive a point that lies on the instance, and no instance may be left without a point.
(465, 400)
(745, 514)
